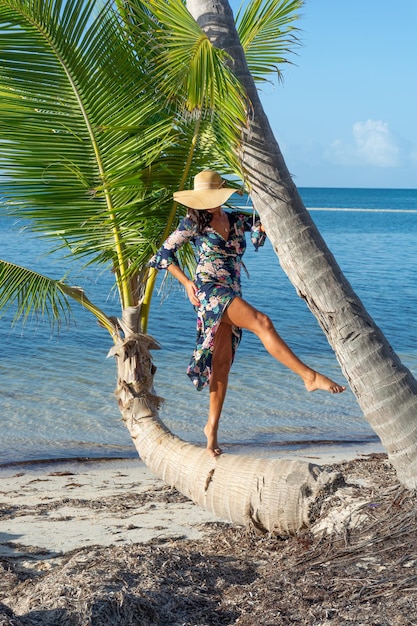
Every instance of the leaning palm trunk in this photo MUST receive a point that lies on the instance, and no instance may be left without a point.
(275, 495)
(384, 388)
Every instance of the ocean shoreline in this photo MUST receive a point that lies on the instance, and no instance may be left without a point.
(267, 449)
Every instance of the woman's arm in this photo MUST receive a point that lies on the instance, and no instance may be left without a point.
(166, 257)
(188, 284)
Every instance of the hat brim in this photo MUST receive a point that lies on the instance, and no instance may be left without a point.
(204, 199)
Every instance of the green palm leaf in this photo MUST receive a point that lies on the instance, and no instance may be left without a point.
(267, 34)
(73, 121)
(197, 79)
(31, 294)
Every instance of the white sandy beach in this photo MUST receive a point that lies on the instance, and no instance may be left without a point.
(58, 507)
(105, 542)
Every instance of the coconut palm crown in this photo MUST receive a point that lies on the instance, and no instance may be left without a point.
(105, 110)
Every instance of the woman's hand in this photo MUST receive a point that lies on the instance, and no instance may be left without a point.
(191, 290)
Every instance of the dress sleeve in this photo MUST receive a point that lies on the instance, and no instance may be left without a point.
(257, 236)
(167, 253)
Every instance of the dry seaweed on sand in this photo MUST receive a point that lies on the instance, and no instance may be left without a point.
(364, 571)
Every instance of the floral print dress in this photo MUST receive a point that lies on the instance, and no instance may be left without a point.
(217, 277)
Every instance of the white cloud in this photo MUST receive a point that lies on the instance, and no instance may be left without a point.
(373, 144)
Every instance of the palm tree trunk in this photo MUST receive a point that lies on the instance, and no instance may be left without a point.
(384, 388)
(275, 495)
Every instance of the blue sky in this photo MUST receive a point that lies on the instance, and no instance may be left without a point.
(345, 115)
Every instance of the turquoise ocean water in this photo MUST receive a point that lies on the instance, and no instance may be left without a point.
(56, 390)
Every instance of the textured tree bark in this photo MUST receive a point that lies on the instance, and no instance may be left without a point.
(383, 386)
(271, 495)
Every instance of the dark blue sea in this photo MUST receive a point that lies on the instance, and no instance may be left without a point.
(57, 390)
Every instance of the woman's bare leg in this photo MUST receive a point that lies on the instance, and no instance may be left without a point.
(241, 313)
(221, 363)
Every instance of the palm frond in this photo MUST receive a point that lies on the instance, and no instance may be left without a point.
(267, 34)
(77, 122)
(81, 124)
(31, 294)
(197, 78)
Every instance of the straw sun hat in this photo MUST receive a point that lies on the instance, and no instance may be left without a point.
(209, 192)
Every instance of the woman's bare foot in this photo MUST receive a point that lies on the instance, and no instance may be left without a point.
(318, 381)
(212, 443)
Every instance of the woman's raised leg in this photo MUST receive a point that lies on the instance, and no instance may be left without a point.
(241, 313)
(221, 363)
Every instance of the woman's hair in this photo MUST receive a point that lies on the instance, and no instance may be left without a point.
(201, 218)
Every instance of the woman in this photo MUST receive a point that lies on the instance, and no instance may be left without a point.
(215, 292)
